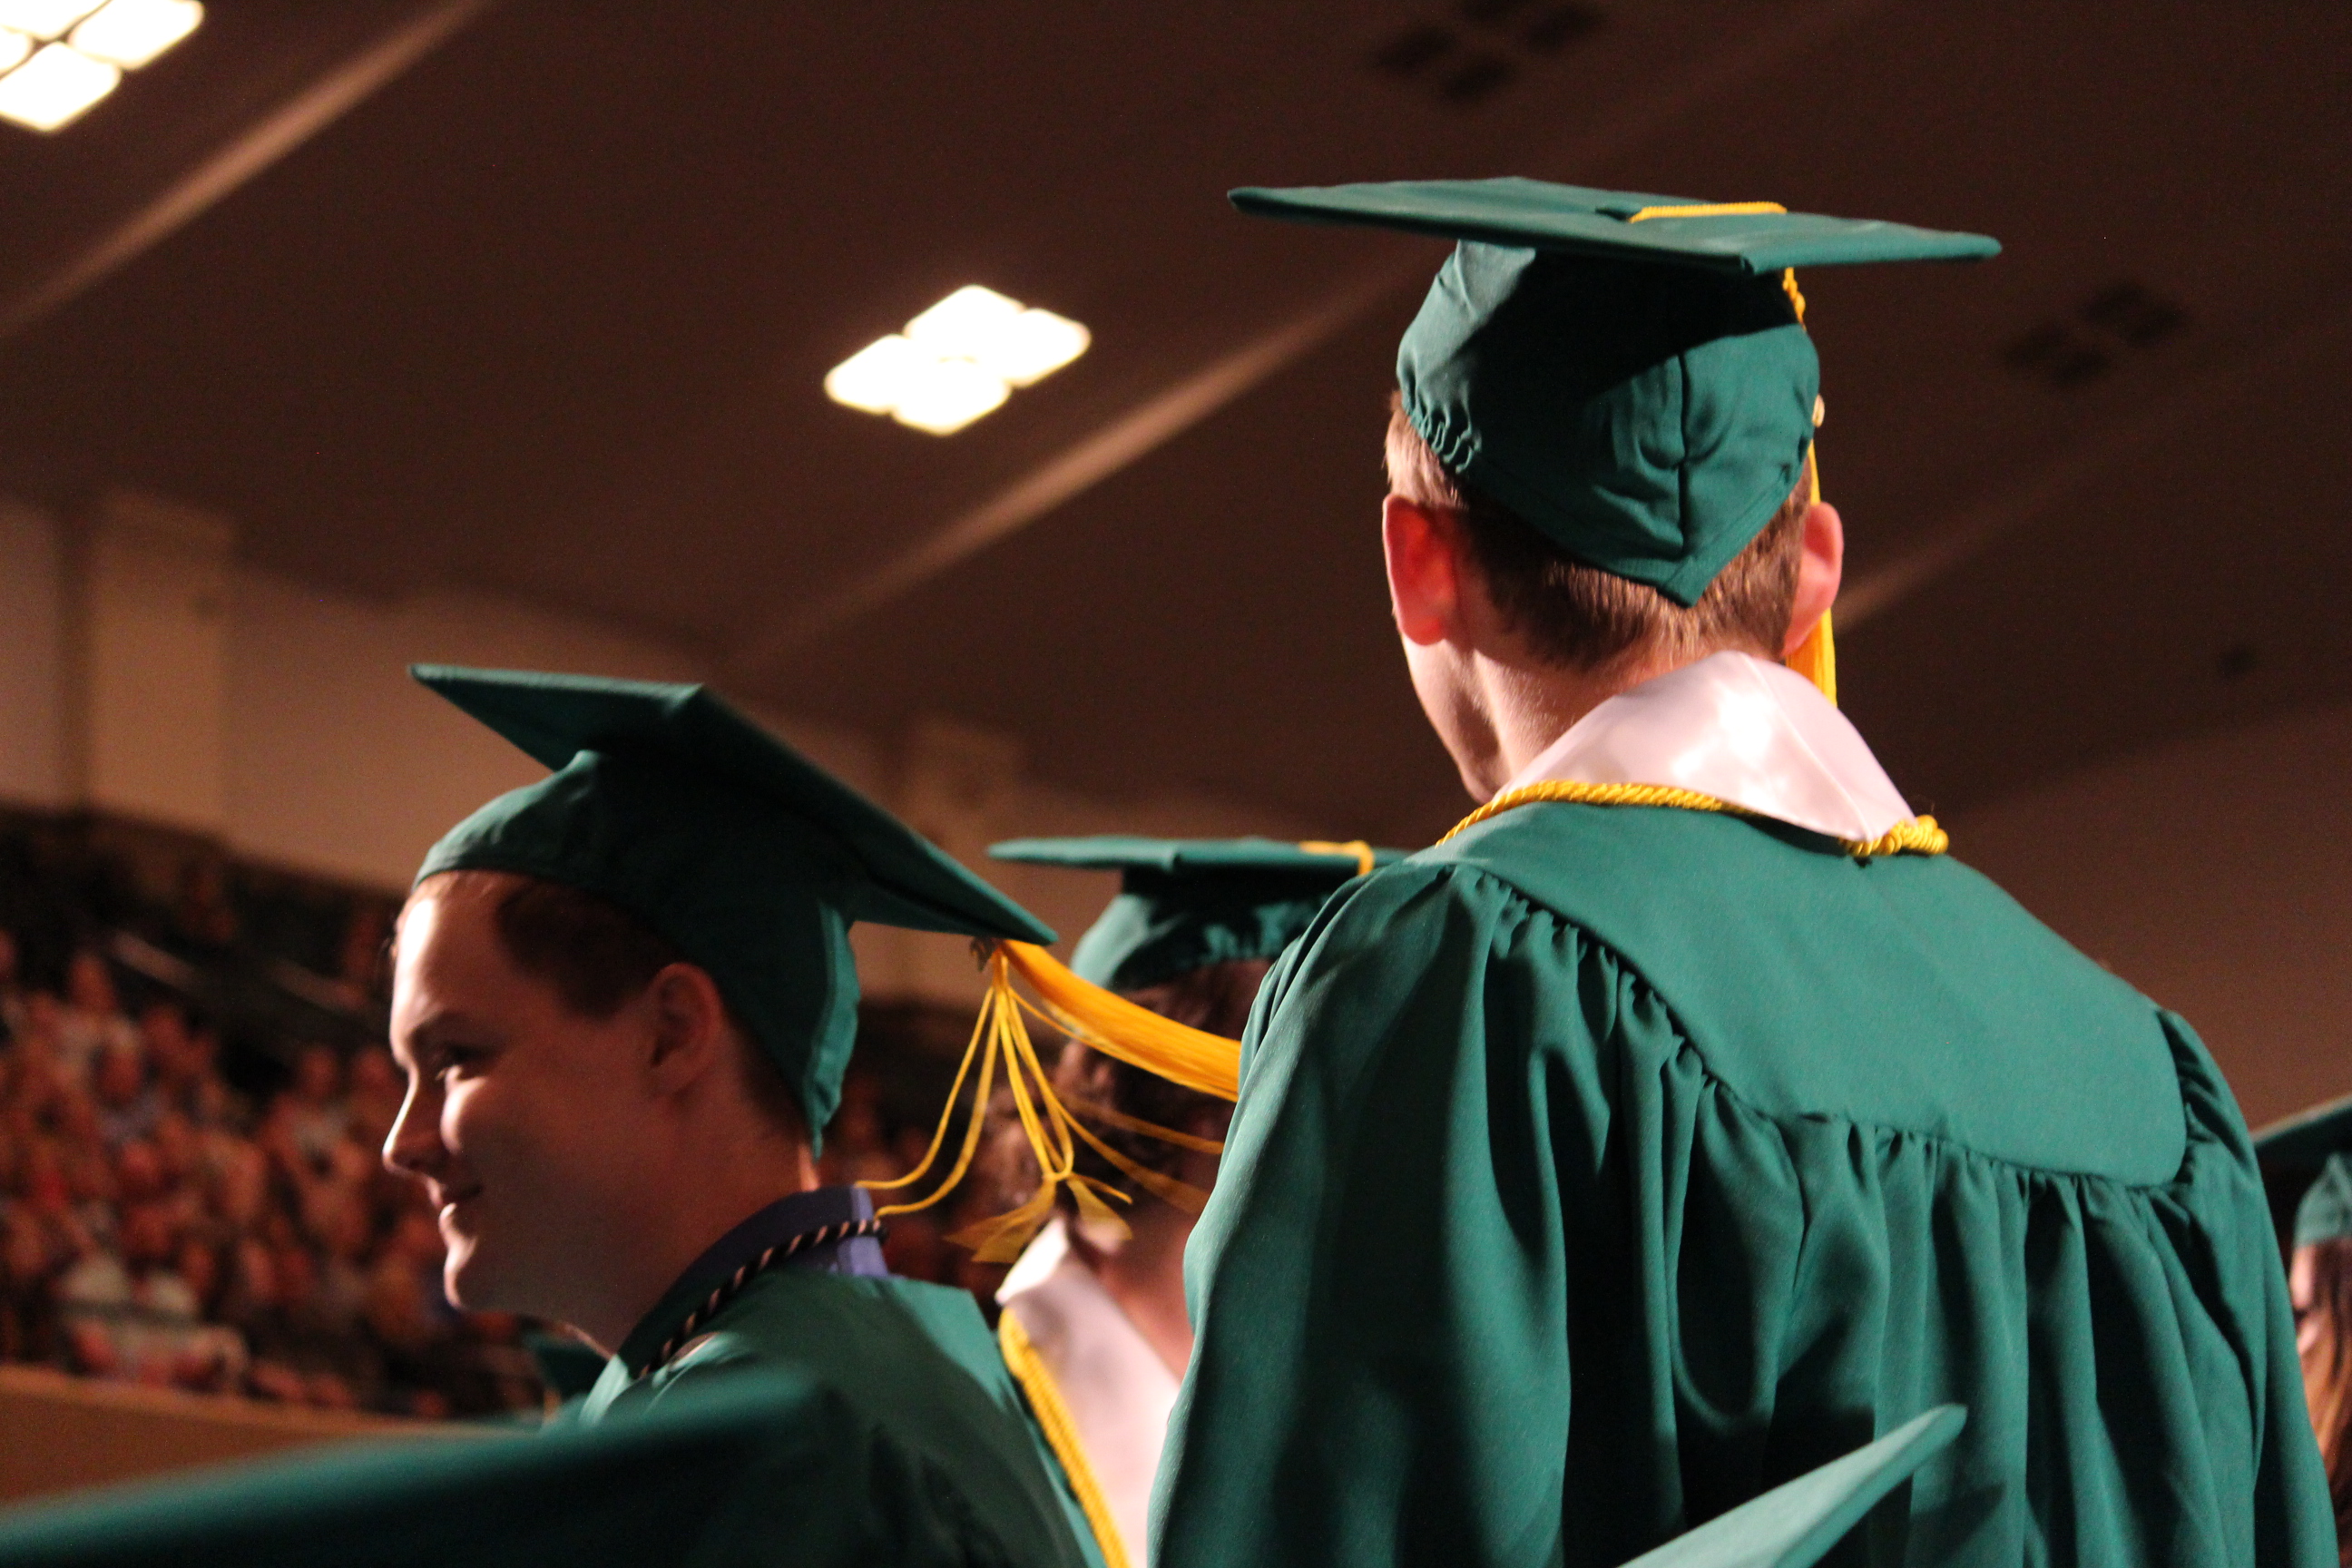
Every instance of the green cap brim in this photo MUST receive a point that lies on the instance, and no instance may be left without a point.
(903, 880)
(1579, 220)
(1187, 903)
(2309, 1137)
(1792, 1525)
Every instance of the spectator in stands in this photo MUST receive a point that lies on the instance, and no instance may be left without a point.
(371, 1100)
(310, 1117)
(127, 1104)
(91, 1022)
(12, 988)
(185, 1061)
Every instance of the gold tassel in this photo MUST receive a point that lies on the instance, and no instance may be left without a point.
(1816, 657)
(1188, 1058)
(1108, 1023)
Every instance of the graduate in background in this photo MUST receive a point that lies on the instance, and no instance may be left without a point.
(1688, 1115)
(1190, 935)
(2307, 1161)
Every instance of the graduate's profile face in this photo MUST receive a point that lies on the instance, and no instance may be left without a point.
(521, 1115)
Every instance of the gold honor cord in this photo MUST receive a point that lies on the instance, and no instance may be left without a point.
(1108, 1023)
(1815, 658)
(1061, 1429)
(1919, 835)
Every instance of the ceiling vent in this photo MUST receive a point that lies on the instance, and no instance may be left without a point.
(2071, 351)
(1464, 59)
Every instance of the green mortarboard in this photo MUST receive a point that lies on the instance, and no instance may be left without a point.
(1186, 903)
(2309, 1137)
(743, 853)
(1628, 373)
(1793, 1525)
(2326, 1212)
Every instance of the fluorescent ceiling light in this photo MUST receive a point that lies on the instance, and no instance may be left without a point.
(1033, 345)
(946, 395)
(13, 48)
(130, 33)
(44, 19)
(965, 322)
(53, 86)
(876, 376)
(957, 361)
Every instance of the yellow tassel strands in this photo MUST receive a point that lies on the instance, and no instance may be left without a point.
(1106, 1022)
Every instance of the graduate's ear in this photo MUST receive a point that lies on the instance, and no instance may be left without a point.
(690, 1033)
(1821, 566)
(1424, 548)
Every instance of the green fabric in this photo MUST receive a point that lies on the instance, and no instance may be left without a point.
(750, 858)
(909, 1361)
(779, 1468)
(1641, 394)
(1795, 1524)
(2326, 1212)
(1186, 903)
(1579, 220)
(1600, 1168)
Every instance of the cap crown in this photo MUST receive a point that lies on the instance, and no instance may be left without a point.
(747, 857)
(1626, 372)
(1186, 903)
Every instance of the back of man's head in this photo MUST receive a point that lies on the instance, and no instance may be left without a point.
(1581, 618)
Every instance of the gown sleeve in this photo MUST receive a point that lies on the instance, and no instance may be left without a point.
(1380, 1281)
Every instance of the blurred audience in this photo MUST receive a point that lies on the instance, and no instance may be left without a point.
(157, 1228)
(161, 1225)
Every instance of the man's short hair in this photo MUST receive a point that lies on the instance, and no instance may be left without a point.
(1581, 617)
(598, 957)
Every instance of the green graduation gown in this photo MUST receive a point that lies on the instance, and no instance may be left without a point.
(1602, 1167)
(909, 1363)
(823, 1420)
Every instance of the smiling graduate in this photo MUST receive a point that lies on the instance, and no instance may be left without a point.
(625, 998)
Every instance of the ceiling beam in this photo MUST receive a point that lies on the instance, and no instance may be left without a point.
(261, 144)
(1159, 418)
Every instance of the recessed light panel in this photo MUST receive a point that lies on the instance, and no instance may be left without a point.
(45, 20)
(130, 33)
(48, 87)
(957, 361)
(53, 88)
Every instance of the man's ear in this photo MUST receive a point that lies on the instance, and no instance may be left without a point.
(690, 1031)
(1423, 551)
(1821, 566)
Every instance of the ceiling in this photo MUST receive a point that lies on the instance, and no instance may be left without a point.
(548, 310)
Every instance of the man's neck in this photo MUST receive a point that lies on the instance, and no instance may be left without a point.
(699, 1205)
(1530, 705)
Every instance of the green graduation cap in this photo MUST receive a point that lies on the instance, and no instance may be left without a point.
(1627, 371)
(2315, 1141)
(2309, 1137)
(1794, 1525)
(748, 858)
(2325, 1213)
(1186, 903)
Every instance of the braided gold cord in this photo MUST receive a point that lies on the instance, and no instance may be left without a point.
(1919, 835)
(1061, 1429)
